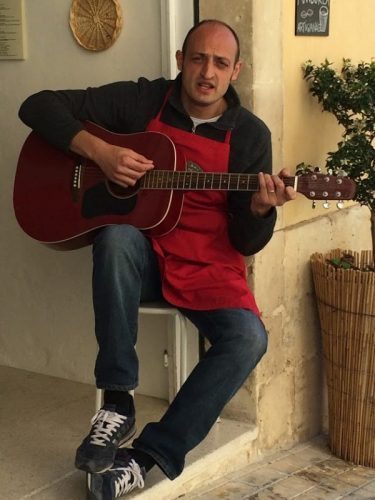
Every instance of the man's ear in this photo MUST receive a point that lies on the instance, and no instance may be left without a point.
(236, 71)
(179, 59)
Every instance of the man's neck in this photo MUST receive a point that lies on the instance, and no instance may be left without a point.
(204, 112)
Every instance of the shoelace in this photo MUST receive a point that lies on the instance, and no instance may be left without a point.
(105, 424)
(129, 477)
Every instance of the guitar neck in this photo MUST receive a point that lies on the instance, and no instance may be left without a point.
(185, 180)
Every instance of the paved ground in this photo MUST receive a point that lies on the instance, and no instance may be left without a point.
(43, 419)
(306, 472)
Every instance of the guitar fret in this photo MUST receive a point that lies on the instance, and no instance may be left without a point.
(220, 180)
(156, 175)
(226, 181)
(145, 181)
(192, 181)
(161, 180)
(175, 179)
(169, 180)
(198, 180)
(165, 180)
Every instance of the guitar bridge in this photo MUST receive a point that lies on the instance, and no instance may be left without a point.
(76, 184)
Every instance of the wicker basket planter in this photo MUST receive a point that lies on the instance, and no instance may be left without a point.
(346, 304)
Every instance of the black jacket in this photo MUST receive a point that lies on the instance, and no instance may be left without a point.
(127, 107)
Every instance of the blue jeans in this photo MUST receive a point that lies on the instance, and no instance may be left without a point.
(125, 274)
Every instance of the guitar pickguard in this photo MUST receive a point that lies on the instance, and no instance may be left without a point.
(98, 201)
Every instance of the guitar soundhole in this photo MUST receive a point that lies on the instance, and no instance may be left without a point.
(121, 192)
(98, 201)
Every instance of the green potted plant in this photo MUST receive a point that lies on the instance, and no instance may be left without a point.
(344, 281)
(350, 96)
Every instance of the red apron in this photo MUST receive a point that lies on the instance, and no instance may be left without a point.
(200, 268)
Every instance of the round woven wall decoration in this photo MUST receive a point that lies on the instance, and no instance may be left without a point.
(96, 24)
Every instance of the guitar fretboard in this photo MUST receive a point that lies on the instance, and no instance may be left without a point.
(185, 180)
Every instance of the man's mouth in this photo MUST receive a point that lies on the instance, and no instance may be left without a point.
(206, 86)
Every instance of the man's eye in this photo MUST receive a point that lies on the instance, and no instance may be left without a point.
(222, 64)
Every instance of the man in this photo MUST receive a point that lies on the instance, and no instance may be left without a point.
(198, 266)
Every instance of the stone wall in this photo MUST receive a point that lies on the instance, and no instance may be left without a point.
(286, 396)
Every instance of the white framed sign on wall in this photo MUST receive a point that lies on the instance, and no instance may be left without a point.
(12, 37)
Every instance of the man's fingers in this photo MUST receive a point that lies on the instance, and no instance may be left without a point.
(130, 167)
(272, 192)
(284, 173)
(132, 160)
(266, 184)
(290, 193)
(261, 181)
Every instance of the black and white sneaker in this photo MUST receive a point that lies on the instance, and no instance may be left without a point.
(125, 476)
(109, 431)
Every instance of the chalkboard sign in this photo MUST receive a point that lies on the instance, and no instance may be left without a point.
(312, 17)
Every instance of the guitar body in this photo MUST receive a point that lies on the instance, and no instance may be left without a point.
(60, 198)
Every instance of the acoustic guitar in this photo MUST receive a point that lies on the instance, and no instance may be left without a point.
(62, 199)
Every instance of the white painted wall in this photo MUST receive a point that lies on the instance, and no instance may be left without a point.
(46, 321)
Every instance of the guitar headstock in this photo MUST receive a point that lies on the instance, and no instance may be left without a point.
(316, 186)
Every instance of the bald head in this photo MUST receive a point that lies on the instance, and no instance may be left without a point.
(212, 22)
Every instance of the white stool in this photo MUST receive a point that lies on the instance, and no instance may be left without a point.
(177, 340)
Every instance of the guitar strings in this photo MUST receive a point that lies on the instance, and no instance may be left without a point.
(157, 179)
(225, 181)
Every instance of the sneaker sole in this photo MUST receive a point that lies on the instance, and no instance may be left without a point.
(128, 436)
(91, 466)
(94, 485)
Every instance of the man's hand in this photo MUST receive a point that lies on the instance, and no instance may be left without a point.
(272, 193)
(120, 165)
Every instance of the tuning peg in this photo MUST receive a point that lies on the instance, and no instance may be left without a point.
(313, 205)
(326, 204)
(317, 169)
(340, 205)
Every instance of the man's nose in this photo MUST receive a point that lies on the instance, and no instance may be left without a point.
(207, 70)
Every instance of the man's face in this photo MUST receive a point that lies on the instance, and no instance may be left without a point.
(208, 67)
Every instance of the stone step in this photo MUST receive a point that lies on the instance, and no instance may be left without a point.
(228, 447)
